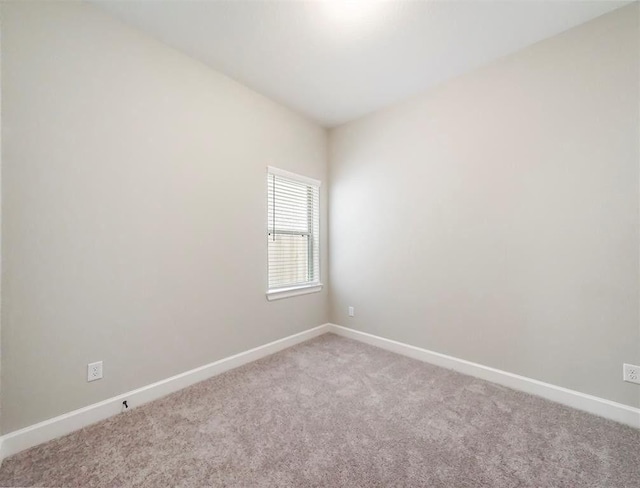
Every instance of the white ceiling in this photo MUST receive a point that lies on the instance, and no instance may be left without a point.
(336, 60)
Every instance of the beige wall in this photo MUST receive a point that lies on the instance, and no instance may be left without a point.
(495, 218)
(1, 130)
(134, 202)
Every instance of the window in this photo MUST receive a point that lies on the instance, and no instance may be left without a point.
(293, 234)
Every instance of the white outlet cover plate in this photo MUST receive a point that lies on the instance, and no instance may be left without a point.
(631, 373)
(94, 371)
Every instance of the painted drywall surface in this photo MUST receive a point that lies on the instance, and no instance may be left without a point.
(0, 229)
(495, 218)
(134, 200)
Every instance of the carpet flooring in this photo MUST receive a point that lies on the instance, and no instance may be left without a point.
(333, 412)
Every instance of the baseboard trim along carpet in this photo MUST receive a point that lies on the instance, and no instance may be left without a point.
(617, 412)
(30, 436)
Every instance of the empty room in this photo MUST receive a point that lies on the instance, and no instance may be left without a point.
(320, 243)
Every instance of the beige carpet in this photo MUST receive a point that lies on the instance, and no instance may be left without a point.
(333, 412)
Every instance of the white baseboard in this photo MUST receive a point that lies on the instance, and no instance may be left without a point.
(33, 435)
(581, 401)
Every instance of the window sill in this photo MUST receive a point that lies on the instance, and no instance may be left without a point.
(293, 291)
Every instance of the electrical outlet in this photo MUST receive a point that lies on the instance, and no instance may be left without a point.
(94, 371)
(351, 312)
(631, 373)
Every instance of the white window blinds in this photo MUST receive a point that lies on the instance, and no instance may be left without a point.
(293, 229)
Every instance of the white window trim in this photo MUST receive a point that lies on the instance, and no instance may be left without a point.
(306, 288)
(294, 291)
(293, 176)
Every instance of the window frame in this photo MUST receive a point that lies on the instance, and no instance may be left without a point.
(306, 287)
